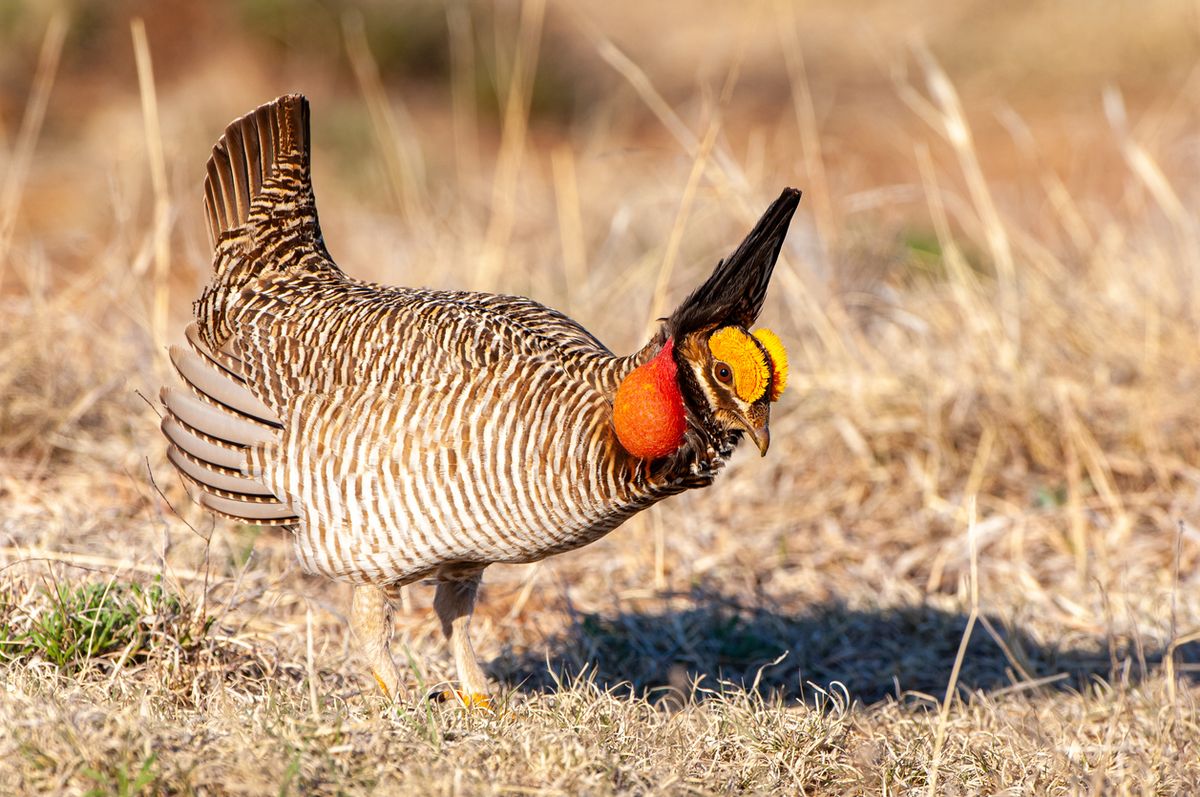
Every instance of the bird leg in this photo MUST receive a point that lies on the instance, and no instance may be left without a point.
(454, 601)
(371, 623)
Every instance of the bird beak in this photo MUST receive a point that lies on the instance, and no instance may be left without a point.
(760, 434)
(762, 438)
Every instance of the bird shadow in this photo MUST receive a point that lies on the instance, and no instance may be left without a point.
(904, 652)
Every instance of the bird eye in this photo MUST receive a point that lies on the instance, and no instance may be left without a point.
(723, 373)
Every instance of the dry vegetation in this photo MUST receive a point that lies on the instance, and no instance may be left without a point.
(970, 562)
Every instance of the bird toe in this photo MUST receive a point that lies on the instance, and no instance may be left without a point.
(472, 701)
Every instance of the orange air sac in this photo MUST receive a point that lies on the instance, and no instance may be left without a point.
(648, 408)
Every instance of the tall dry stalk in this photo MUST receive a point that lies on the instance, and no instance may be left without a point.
(395, 133)
(31, 127)
(158, 179)
(495, 256)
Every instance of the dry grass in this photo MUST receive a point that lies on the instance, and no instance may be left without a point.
(968, 564)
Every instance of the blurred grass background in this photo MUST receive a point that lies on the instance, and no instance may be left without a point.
(974, 537)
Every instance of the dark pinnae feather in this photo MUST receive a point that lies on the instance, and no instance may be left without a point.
(735, 292)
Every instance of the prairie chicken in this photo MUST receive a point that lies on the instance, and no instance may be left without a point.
(404, 433)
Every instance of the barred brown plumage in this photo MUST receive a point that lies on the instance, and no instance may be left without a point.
(404, 433)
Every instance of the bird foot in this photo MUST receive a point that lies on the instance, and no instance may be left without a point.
(468, 700)
(383, 687)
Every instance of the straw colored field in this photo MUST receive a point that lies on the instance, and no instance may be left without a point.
(969, 562)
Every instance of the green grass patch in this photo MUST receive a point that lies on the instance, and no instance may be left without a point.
(119, 781)
(73, 624)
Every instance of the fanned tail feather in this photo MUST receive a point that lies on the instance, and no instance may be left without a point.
(264, 144)
(260, 208)
(211, 428)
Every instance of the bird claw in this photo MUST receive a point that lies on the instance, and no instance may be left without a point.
(468, 700)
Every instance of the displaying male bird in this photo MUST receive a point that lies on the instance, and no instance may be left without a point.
(405, 433)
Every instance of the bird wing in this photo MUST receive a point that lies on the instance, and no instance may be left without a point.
(211, 425)
(553, 330)
(302, 333)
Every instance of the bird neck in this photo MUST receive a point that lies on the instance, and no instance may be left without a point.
(648, 411)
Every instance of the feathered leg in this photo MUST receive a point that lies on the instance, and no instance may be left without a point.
(371, 622)
(454, 602)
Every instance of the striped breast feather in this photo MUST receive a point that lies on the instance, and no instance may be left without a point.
(391, 483)
(335, 447)
(211, 425)
(350, 462)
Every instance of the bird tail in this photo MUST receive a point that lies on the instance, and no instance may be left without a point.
(735, 291)
(259, 167)
(260, 208)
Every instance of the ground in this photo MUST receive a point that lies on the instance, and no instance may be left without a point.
(969, 562)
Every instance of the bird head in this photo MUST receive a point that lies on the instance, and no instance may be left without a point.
(705, 369)
(734, 377)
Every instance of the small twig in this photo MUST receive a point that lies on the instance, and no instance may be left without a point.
(944, 714)
(153, 483)
(315, 706)
(207, 538)
(1034, 683)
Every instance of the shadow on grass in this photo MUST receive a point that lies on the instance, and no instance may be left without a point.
(873, 653)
